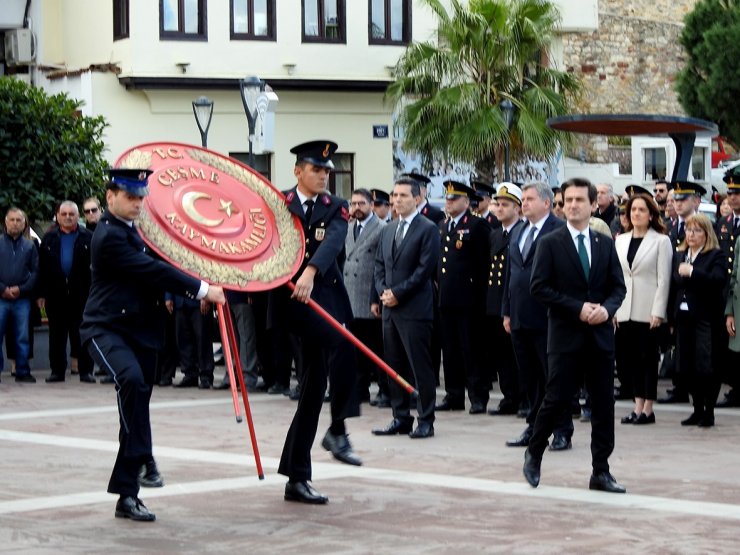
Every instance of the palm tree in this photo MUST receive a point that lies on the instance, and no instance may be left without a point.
(449, 94)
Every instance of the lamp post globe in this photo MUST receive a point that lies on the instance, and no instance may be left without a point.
(203, 112)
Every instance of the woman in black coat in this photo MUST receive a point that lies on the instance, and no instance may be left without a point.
(699, 275)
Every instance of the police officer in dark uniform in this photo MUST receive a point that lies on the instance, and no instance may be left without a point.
(122, 325)
(326, 353)
(485, 192)
(462, 276)
(728, 230)
(424, 208)
(503, 363)
(381, 205)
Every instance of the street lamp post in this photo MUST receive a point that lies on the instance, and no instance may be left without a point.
(250, 89)
(508, 108)
(203, 112)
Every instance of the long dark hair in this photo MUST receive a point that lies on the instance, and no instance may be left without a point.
(656, 220)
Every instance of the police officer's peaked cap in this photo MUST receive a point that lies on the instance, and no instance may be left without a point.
(482, 188)
(633, 190)
(422, 180)
(317, 153)
(380, 197)
(732, 178)
(684, 189)
(132, 181)
(454, 189)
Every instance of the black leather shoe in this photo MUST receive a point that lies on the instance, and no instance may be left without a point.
(396, 427)
(522, 412)
(503, 408)
(341, 448)
(674, 397)
(603, 481)
(521, 441)
(149, 476)
(133, 508)
(692, 420)
(87, 378)
(531, 469)
(631, 418)
(560, 443)
(107, 379)
(28, 378)
(644, 419)
(707, 421)
(204, 383)
(381, 400)
(448, 405)
(477, 408)
(278, 389)
(54, 378)
(164, 382)
(189, 381)
(303, 492)
(423, 430)
(295, 394)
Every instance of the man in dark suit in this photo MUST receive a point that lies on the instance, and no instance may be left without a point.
(503, 362)
(123, 325)
(326, 353)
(404, 266)
(360, 247)
(461, 275)
(525, 318)
(64, 284)
(577, 276)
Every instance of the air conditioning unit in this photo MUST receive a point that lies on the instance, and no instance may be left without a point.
(20, 48)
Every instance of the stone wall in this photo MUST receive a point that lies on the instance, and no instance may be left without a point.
(629, 64)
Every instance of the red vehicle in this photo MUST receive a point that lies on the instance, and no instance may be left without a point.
(722, 149)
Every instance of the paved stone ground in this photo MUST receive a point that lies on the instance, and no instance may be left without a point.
(459, 492)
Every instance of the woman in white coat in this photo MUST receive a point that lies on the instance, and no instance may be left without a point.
(645, 254)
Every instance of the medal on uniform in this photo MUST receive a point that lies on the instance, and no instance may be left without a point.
(319, 233)
(458, 244)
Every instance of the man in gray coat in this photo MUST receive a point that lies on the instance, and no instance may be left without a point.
(360, 246)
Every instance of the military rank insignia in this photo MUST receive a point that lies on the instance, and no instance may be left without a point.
(320, 233)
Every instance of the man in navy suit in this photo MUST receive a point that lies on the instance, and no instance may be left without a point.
(577, 276)
(326, 353)
(123, 326)
(525, 318)
(404, 265)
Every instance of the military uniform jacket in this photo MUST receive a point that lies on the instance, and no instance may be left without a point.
(492, 221)
(359, 267)
(325, 235)
(499, 265)
(732, 307)
(52, 281)
(463, 263)
(727, 235)
(128, 285)
(432, 213)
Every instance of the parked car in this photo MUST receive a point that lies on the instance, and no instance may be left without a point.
(722, 150)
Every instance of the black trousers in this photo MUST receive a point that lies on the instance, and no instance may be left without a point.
(698, 348)
(370, 332)
(133, 369)
(407, 347)
(637, 358)
(195, 341)
(503, 362)
(530, 347)
(326, 355)
(567, 372)
(65, 317)
(168, 357)
(462, 355)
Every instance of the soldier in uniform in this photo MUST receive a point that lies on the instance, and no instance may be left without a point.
(122, 325)
(485, 191)
(728, 230)
(425, 209)
(326, 353)
(381, 205)
(508, 211)
(462, 273)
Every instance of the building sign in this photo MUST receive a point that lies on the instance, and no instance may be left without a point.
(380, 131)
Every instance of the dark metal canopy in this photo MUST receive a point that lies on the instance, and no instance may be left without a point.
(682, 130)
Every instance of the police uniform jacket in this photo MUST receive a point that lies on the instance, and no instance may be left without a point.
(53, 284)
(732, 308)
(497, 272)
(324, 236)
(462, 270)
(359, 267)
(128, 285)
(727, 235)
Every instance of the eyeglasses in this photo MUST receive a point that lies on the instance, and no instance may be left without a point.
(559, 203)
(694, 230)
(90, 210)
(358, 203)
